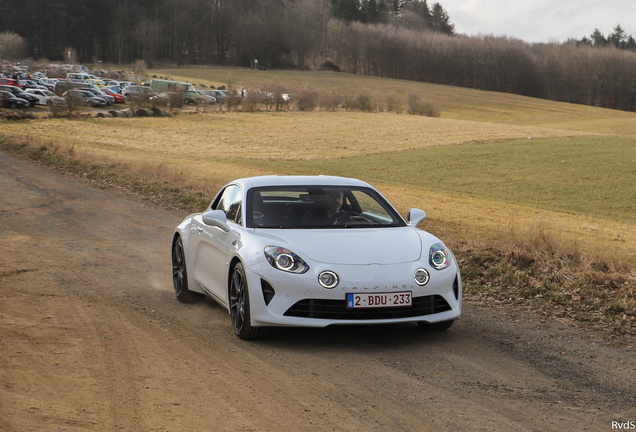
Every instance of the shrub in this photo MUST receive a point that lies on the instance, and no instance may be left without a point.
(253, 99)
(364, 101)
(278, 94)
(306, 98)
(330, 100)
(233, 101)
(420, 107)
(393, 103)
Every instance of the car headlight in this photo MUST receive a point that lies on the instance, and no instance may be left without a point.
(439, 256)
(421, 277)
(328, 279)
(285, 260)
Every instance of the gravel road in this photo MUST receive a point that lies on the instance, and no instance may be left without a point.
(93, 339)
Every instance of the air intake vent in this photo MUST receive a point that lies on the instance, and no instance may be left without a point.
(337, 309)
(268, 291)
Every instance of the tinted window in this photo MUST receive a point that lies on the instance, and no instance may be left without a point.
(318, 207)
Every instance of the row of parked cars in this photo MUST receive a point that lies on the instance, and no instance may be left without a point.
(21, 90)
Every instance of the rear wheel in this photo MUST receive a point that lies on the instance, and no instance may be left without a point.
(180, 275)
(438, 326)
(240, 306)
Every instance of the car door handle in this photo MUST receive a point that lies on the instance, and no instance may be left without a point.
(200, 230)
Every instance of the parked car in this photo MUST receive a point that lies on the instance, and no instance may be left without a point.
(314, 251)
(27, 84)
(97, 92)
(49, 83)
(119, 98)
(10, 81)
(138, 91)
(18, 92)
(208, 96)
(12, 102)
(124, 84)
(85, 97)
(95, 81)
(62, 86)
(46, 97)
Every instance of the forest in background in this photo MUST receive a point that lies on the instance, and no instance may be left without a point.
(402, 39)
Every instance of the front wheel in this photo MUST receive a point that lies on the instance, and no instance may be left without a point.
(438, 326)
(180, 275)
(240, 306)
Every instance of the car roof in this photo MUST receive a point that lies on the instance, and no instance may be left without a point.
(320, 180)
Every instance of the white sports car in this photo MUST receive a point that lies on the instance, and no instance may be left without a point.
(314, 251)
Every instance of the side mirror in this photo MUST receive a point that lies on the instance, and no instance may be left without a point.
(415, 216)
(216, 218)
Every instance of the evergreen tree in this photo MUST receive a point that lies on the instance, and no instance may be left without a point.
(618, 37)
(346, 10)
(440, 21)
(598, 39)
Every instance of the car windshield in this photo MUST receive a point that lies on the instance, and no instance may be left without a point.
(308, 207)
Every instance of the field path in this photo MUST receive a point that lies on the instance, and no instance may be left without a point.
(92, 338)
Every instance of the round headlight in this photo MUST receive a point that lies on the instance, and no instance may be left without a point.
(421, 277)
(285, 262)
(439, 257)
(328, 279)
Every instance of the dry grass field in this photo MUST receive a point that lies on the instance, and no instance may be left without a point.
(568, 191)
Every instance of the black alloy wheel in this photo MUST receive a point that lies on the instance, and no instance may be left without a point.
(240, 306)
(180, 275)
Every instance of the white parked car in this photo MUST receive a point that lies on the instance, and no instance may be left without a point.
(46, 97)
(314, 251)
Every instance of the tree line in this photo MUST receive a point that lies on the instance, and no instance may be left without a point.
(403, 39)
(281, 33)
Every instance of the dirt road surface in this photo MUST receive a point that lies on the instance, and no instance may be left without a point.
(93, 339)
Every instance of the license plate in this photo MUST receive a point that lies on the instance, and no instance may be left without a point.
(379, 300)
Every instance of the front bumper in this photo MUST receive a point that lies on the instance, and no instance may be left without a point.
(300, 301)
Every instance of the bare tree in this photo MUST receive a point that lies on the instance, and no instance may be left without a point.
(12, 46)
(148, 34)
(304, 24)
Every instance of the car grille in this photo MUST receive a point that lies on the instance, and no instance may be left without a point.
(337, 309)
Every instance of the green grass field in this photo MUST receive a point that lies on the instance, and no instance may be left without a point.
(593, 177)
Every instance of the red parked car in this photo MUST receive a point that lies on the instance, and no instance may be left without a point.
(118, 98)
(9, 81)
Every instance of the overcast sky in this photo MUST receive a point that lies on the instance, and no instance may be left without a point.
(540, 20)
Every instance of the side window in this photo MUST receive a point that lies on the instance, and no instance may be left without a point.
(231, 202)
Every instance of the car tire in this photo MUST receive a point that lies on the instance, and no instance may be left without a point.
(180, 275)
(240, 306)
(438, 326)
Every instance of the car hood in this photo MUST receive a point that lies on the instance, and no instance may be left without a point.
(349, 246)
